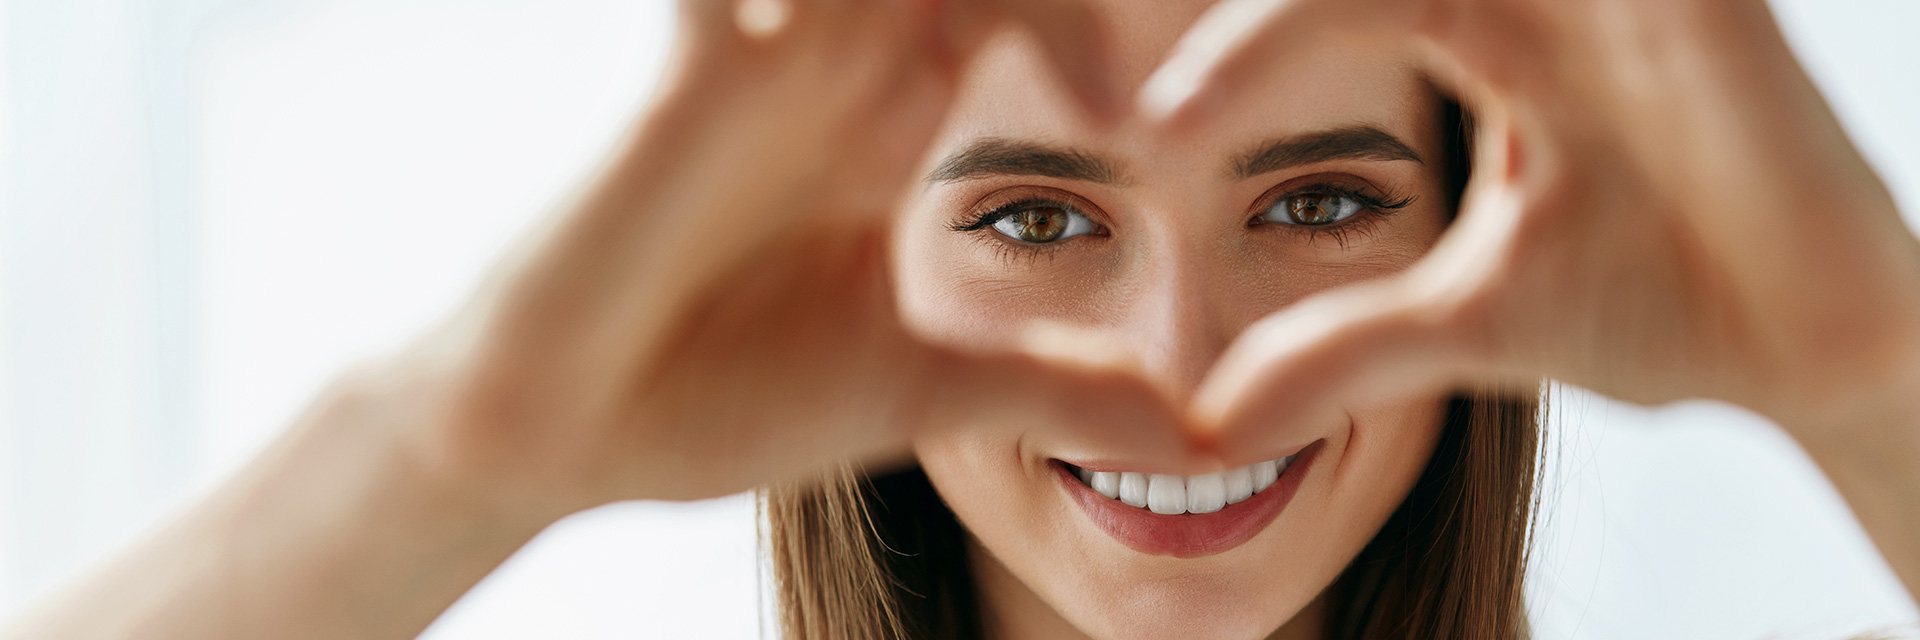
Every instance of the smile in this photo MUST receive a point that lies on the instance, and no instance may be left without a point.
(1173, 495)
(1186, 516)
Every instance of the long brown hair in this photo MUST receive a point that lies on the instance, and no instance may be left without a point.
(881, 557)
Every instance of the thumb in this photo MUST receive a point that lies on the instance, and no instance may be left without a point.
(1312, 361)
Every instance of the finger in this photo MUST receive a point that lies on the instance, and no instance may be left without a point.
(1077, 44)
(1085, 396)
(1504, 47)
(1426, 328)
(1070, 34)
(1310, 363)
(1239, 41)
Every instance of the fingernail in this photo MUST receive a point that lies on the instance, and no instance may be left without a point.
(761, 19)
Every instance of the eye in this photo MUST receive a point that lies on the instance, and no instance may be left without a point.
(1313, 209)
(1040, 223)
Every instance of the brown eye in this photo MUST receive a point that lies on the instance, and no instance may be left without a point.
(1313, 209)
(1042, 223)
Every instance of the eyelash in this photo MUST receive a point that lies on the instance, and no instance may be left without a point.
(1363, 224)
(987, 217)
(976, 226)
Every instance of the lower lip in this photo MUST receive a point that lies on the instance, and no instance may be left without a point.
(1189, 535)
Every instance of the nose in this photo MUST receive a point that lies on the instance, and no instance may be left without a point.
(1181, 317)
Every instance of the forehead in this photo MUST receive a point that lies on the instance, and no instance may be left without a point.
(1010, 93)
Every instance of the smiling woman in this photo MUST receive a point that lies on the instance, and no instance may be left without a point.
(1257, 358)
(1173, 250)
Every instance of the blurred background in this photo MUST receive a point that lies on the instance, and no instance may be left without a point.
(207, 207)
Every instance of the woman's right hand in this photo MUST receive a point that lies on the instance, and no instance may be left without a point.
(712, 314)
(715, 312)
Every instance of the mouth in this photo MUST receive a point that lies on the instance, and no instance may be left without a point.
(1186, 516)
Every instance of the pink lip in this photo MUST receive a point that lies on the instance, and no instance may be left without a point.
(1189, 535)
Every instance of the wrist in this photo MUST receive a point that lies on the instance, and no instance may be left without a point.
(372, 448)
(419, 419)
(1880, 416)
(357, 505)
(1872, 457)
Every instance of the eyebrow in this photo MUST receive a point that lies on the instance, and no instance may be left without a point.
(1003, 157)
(1349, 143)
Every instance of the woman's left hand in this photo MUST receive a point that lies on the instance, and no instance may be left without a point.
(1662, 207)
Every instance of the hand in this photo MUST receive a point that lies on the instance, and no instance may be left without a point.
(715, 314)
(1662, 207)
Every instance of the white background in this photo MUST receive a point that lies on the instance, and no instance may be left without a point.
(209, 206)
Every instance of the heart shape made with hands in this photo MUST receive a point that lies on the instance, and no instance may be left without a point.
(1636, 222)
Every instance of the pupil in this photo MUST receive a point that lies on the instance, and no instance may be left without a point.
(1311, 209)
(1041, 225)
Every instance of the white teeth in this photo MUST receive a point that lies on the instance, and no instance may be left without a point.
(1171, 494)
(1239, 484)
(1264, 473)
(1107, 483)
(1167, 495)
(1206, 494)
(1133, 489)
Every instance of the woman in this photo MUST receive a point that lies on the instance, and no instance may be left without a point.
(1349, 172)
(1099, 333)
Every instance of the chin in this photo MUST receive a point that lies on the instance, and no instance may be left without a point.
(1179, 612)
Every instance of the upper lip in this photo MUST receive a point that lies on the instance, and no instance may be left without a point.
(1123, 466)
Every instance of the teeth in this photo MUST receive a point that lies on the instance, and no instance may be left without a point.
(1206, 494)
(1264, 473)
(1171, 495)
(1133, 489)
(1167, 495)
(1106, 482)
(1239, 484)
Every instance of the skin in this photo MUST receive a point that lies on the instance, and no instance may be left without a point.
(715, 311)
(1176, 274)
(1654, 217)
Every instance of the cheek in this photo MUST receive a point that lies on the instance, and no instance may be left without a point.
(929, 262)
(1383, 454)
(978, 471)
(1027, 542)
(955, 294)
(1317, 262)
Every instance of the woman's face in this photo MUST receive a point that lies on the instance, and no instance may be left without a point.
(1173, 248)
